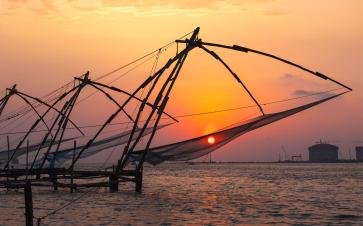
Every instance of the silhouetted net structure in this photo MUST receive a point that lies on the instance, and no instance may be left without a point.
(50, 119)
(60, 157)
(4, 154)
(198, 147)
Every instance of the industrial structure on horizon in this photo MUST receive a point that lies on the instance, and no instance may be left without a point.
(359, 153)
(323, 152)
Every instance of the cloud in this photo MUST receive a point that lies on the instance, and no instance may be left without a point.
(180, 4)
(302, 92)
(305, 85)
(46, 6)
(288, 76)
(275, 12)
(304, 79)
(156, 7)
(144, 4)
(144, 7)
(290, 79)
(35, 6)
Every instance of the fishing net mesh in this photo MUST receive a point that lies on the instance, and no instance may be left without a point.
(200, 146)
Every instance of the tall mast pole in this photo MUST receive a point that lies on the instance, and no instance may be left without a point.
(161, 101)
(4, 100)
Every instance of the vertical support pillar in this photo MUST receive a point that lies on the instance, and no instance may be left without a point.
(8, 143)
(138, 180)
(113, 182)
(74, 155)
(28, 204)
(27, 155)
(55, 181)
(7, 177)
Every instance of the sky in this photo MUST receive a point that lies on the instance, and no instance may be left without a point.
(44, 44)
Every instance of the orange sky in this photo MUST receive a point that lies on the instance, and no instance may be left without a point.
(45, 43)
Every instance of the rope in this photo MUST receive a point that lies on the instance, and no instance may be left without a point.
(120, 76)
(140, 58)
(25, 109)
(39, 219)
(197, 114)
(138, 103)
(16, 126)
(300, 97)
(48, 97)
(251, 106)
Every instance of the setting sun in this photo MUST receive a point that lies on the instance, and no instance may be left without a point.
(211, 140)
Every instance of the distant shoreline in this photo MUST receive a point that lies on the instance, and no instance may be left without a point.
(261, 162)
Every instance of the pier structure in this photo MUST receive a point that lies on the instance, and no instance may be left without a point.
(41, 175)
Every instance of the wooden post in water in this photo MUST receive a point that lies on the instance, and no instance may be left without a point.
(28, 204)
(27, 154)
(73, 157)
(138, 180)
(113, 182)
(8, 143)
(55, 181)
(113, 179)
(7, 178)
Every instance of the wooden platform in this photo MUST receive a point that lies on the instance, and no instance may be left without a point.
(49, 177)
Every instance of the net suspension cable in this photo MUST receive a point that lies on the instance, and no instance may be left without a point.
(198, 113)
(56, 95)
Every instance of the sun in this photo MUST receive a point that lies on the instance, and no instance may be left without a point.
(211, 140)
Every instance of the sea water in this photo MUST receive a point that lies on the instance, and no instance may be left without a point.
(208, 194)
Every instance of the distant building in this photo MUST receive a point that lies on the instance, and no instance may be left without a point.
(359, 153)
(323, 153)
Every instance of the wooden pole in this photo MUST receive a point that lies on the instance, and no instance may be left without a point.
(113, 182)
(8, 143)
(55, 181)
(27, 154)
(138, 180)
(73, 157)
(28, 204)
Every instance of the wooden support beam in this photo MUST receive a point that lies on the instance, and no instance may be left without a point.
(113, 182)
(74, 155)
(8, 145)
(138, 181)
(28, 204)
(54, 181)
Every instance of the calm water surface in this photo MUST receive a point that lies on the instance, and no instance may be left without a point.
(210, 194)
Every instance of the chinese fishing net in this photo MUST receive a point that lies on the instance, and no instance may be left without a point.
(198, 147)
